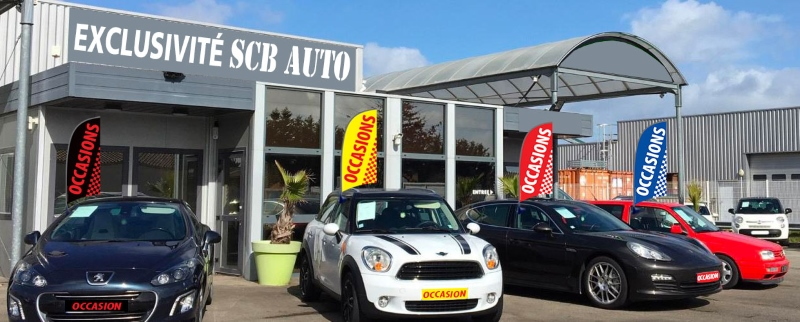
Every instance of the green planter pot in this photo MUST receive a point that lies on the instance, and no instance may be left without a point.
(275, 262)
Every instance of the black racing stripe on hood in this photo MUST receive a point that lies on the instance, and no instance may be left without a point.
(465, 249)
(399, 243)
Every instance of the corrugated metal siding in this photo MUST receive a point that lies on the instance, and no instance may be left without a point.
(50, 27)
(716, 145)
(775, 163)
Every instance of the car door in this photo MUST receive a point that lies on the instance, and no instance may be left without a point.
(535, 258)
(331, 247)
(494, 220)
(652, 219)
(313, 235)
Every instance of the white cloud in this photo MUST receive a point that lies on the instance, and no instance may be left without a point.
(690, 31)
(198, 10)
(379, 60)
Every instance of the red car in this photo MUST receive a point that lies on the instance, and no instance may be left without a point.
(744, 258)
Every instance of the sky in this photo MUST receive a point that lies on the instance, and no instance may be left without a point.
(735, 55)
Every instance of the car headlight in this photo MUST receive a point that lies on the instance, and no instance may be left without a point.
(490, 257)
(376, 259)
(739, 220)
(25, 274)
(647, 252)
(177, 273)
(767, 255)
(781, 219)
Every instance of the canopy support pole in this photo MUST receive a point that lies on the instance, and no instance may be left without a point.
(679, 148)
(554, 101)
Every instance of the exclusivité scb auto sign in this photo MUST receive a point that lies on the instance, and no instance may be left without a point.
(360, 151)
(114, 39)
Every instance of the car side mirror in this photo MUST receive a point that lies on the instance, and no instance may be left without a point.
(543, 228)
(676, 229)
(473, 228)
(32, 237)
(731, 211)
(330, 229)
(788, 210)
(211, 237)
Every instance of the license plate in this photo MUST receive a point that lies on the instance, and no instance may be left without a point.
(759, 232)
(707, 277)
(97, 306)
(440, 294)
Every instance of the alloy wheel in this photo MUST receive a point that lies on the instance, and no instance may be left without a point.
(305, 277)
(727, 273)
(605, 283)
(349, 301)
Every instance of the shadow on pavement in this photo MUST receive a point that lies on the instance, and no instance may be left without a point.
(564, 297)
(327, 307)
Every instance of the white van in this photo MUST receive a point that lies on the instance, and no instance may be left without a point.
(763, 218)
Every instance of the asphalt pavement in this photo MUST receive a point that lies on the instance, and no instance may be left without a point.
(239, 300)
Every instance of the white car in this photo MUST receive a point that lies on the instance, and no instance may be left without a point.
(763, 218)
(399, 254)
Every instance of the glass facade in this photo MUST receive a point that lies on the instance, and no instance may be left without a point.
(6, 182)
(475, 131)
(293, 118)
(348, 106)
(423, 127)
(474, 181)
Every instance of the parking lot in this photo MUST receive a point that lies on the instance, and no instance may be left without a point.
(240, 300)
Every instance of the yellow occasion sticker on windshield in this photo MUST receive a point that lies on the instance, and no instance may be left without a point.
(438, 294)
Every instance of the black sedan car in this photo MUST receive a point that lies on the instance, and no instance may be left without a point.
(116, 259)
(576, 247)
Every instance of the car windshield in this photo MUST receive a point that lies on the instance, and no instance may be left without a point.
(121, 221)
(587, 218)
(405, 216)
(759, 206)
(698, 223)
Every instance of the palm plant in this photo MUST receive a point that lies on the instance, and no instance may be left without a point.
(695, 192)
(464, 187)
(510, 183)
(295, 187)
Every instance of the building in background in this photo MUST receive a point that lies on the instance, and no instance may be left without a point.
(731, 155)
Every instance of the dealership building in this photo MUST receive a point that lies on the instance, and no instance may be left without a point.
(201, 112)
(753, 153)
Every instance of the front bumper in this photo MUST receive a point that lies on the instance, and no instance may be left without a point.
(684, 282)
(769, 233)
(406, 296)
(771, 272)
(141, 303)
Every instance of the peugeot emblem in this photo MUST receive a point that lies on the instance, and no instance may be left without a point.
(98, 278)
(441, 253)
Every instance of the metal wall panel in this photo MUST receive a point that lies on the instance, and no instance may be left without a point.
(716, 145)
(49, 28)
(774, 163)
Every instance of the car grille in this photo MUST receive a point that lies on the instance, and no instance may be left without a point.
(693, 288)
(771, 232)
(445, 270)
(441, 306)
(140, 306)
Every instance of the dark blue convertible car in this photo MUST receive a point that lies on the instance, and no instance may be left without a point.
(116, 259)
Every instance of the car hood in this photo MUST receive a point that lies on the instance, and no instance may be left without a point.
(430, 244)
(111, 255)
(739, 241)
(676, 247)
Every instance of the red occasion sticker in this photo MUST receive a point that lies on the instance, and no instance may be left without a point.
(707, 277)
(536, 162)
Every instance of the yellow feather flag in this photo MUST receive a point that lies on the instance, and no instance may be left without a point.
(360, 151)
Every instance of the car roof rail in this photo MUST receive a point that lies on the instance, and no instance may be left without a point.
(422, 189)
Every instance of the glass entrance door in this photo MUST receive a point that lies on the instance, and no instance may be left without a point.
(231, 213)
(169, 173)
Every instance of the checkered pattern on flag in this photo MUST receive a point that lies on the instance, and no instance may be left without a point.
(661, 184)
(547, 180)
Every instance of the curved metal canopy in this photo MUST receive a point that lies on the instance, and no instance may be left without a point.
(604, 65)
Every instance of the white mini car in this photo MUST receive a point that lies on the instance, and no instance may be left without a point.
(763, 218)
(399, 254)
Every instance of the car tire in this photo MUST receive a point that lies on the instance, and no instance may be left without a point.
(351, 306)
(730, 273)
(491, 317)
(603, 276)
(210, 297)
(783, 242)
(308, 290)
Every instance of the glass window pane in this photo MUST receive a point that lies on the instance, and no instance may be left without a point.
(337, 173)
(348, 106)
(474, 131)
(273, 186)
(474, 182)
(6, 182)
(293, 118)
(112, 170)
(423, 127)
(427, 174)
(169, 175)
